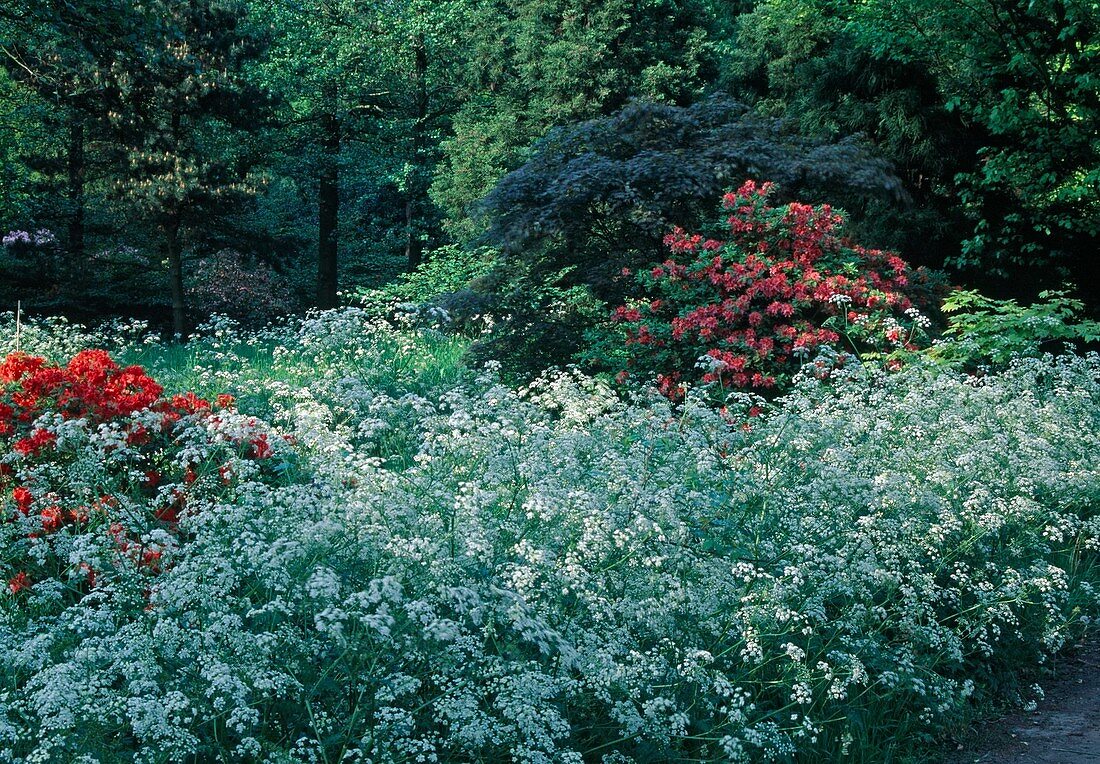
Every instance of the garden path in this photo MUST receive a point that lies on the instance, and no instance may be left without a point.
(1064, 729)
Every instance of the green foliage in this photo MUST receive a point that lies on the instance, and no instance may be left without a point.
(20, 133)
(367, 91)
(184, 102)
(158, 89)
(983, 331)
(536, 64)
(445, 271)
(988, 109)
(390, 122)
(254, 366)
(540, 321)
(804, 60)
(1024, 75)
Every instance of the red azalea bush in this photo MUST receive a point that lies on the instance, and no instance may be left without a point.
(749, 311)
(93, 450)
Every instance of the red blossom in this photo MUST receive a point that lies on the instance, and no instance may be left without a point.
(150, 558)
(18, 583)
(138, 436)
(52, 518)
(189, 403)
(38, 441)
(23, 499)
(261, 448)
(18, 365)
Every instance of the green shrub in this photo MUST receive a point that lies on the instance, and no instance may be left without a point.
(982, 330)
(444, 272)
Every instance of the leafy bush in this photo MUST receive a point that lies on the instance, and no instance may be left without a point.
(128, 281)
(441, 282)
(1026, 92)
(997, 146)
(539, 322)
(748, 312)
(982, 330)
(229, 284)
(31, 264)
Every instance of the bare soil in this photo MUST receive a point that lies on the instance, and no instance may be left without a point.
(1064, 729)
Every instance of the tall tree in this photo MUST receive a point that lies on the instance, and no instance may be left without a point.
(536, 64)
(330, 133)
(1026, 74)
(322, 67)
(367, 89)
(802, 60)
(989, 108)
(65, 52)
(415, 183)
(424, 93)
(21, 133)
(183, 105)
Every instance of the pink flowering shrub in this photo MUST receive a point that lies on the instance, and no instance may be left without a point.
(748, 311)
(250, 292)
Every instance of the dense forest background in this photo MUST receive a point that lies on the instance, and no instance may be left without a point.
(171, 158)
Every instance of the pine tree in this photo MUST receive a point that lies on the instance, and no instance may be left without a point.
(64, 53)
(183, 106)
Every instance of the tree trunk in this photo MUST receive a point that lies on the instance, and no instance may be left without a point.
(328, 208)
(175, 272)
(173, 220)
(76, 188)
(413, 246)
(416, 188)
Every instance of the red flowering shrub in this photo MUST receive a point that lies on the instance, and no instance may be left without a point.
(94, 451)
(748, 311)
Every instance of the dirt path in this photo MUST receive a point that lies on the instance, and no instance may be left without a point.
(1064, 729)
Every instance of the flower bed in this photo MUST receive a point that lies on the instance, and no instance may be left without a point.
(469, 573)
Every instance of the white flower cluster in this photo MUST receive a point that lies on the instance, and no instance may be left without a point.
(918, 318)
